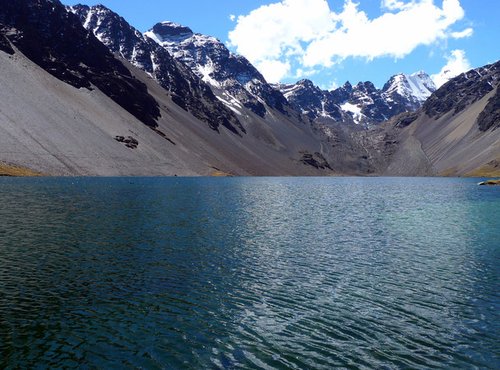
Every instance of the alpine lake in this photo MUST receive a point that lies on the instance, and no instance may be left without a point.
(251, 273)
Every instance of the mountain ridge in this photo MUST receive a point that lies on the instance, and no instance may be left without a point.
(232, 77)
(108, 100)
(186, 90)
(364, 103)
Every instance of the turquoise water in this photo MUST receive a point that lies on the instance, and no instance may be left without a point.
(249, 273)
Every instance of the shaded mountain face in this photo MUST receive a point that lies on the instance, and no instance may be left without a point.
(363, 103)
(311, 101)
(55, 40)
(466, 89)
(233, 78)
(186, 90)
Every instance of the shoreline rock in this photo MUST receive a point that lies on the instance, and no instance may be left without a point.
(489, 183)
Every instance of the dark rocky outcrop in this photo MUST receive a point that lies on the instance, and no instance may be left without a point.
(55, 40)
(405, 119)
(316, 160)
(129, 141)
(5, 44)
(490, 116)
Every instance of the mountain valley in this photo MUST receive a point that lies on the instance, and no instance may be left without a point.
(85, 93)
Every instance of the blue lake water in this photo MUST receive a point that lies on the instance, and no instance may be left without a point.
(249, 273)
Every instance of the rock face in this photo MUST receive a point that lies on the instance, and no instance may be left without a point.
(234, 80)
(362, 103)
(311, 101)
(466, 89)
(186, 90)
(489, 119)
(55, 40)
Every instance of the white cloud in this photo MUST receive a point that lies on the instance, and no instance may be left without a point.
(330, 87)
(396, 4)
(274, 70)
(301, 73)
(232, 17)
(457, 64)
(307, 34)
(468, 32)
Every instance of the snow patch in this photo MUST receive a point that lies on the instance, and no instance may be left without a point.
(205, 72)
(354, 110)
(230, 104)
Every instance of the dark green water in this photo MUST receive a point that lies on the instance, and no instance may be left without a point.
(249, 273)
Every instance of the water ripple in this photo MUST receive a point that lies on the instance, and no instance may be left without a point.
(249, 273)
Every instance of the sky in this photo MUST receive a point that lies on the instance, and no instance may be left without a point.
(334, 41)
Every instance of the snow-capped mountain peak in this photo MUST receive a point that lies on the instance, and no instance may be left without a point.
(364, 103)
(416, 87)
(232, 77)
(184, 86)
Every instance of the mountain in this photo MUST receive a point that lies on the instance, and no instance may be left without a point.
(186, 90)
(311, 101)
(362, 103)
(235, 81)
(111, 101)
(409, 90)
(456, 132)
(54, 39)
(69, 106)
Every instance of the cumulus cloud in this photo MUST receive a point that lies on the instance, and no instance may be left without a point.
(457, 63)
(307, 34)
(274, 70)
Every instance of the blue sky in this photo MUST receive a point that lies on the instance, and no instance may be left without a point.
(333, 41)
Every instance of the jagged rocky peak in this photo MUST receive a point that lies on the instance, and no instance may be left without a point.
(291, 90)
(416, 87)
(311, 100)
(186, 89)
(307, 84)
(347, 86)
(235, 81)
(366, 87)
(363, 103)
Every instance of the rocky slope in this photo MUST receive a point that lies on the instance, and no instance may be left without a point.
(68, 106)
(186, 90)
(54, 39)
(466, 89)
(234, 80)
(456, 132)
(362, 103)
